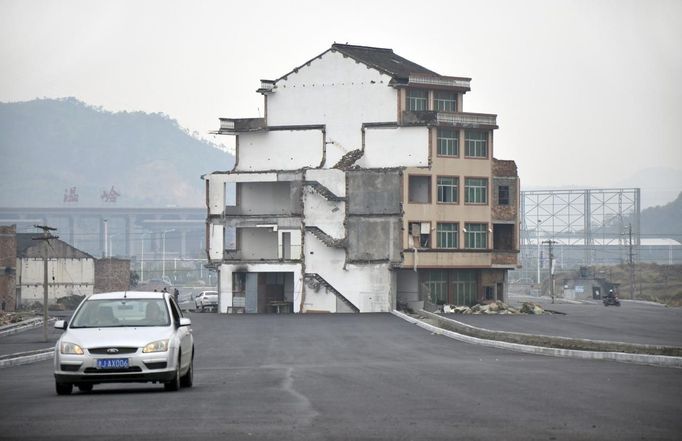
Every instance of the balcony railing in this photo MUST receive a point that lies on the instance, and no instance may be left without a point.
(459, 119)
(437, 80)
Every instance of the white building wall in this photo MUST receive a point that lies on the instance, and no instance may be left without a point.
(395, 147)
(280, 150)
(366, 286)
(216, 246)
(333, 90)
(333, 179)
(326, 215)
(65, 277)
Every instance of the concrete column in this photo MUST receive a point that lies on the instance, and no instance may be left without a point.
(224, 288)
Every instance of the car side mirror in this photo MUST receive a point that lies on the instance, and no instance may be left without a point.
(61, 324)
(184, 321)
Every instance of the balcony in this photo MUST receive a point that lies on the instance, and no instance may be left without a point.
(240, 125)
(459, 119)
(439, 81)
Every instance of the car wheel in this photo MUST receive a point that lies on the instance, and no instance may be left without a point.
(63, 388)
(174, 383)
(188, 379)
(85, 387)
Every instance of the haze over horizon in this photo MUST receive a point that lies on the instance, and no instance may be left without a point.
(587, 93)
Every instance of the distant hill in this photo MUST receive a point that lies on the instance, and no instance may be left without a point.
(663, 220)
(49, 146)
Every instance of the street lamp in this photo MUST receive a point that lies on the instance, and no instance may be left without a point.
(163, 253)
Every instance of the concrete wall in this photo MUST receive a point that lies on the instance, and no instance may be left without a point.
(372, 192)
(259, 198)
(257, 243)
(333, 179)
(368, 287)
(333, 90)
(395, 147)
(65, 277)
(326, 215)
(280, 150)
(374, 238)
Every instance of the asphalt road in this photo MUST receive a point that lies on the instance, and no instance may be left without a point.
(337, 377)
(632, 322)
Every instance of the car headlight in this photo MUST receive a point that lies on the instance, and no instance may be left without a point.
(70, 348)
(156, 346)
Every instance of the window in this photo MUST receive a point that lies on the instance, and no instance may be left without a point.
(463, 287)
(445, 102)
(419, 189)
(417, 99)
(476, 236)
(447, 142)
(446, 235)
(476, 190)
(448, 189)
(455, 287)
(435, 286)
(420, 234)
(476, 144)
(503, 195)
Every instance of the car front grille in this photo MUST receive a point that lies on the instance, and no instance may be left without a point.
(119, 350)
(156, 365)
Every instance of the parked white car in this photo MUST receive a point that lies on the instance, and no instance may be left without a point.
(124, 337)
(206, 300)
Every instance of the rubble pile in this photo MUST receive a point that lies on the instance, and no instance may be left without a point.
(7, 318)
(497, 307)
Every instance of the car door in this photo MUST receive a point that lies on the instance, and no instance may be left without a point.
(184, 335)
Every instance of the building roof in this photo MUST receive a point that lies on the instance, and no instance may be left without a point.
(381, 59)
(29, 248)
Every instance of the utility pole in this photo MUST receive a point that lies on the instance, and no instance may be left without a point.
(46, 238)
(631, 263)
(551, 267)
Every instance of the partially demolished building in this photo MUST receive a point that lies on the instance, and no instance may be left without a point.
(364, 185)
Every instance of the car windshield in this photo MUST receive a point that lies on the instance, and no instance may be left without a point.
(122, 313)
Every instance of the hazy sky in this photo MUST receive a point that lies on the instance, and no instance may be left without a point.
(586, 92)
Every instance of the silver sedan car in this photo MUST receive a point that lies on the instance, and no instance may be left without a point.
(123, 337)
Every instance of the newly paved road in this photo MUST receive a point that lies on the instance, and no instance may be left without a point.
(632, 322)
(337, 377)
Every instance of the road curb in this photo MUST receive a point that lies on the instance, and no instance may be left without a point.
(20, 358)
(652, 360)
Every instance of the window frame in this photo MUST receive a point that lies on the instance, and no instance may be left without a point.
(454, 192)
(437, 100)
(468, 188)
(455, 142)
(410, 99)
(474, 144)
(472, 238)
(447, 234)
(499, 195)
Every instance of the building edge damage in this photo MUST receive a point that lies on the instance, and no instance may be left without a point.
(355, 191)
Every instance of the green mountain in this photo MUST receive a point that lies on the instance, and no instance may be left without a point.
(663, 220)
(51, 146)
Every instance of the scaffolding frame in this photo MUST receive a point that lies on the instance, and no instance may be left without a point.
(589, 226)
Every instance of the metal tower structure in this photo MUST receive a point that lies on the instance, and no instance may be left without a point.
(590, 226)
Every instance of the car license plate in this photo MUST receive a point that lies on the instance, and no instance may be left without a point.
(112, 363)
